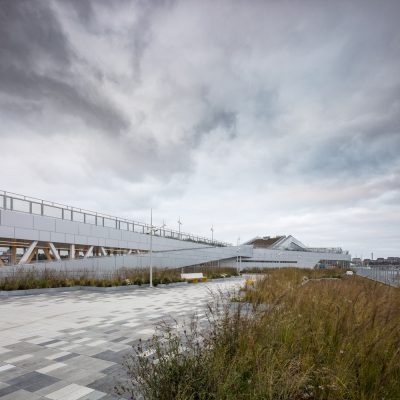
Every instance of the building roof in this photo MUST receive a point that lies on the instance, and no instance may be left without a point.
(265, 242)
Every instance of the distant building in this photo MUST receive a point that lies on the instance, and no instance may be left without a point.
(393, 261)
(287, 251)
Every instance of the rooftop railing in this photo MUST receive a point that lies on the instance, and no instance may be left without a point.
(17, 202)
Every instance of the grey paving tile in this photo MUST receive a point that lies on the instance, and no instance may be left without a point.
(88, 379)
(119, 339)
(113, 356)
(106, 384)
(8, 389)
(5, 376)
(32, 381)
(49, 342)
(67, 357)
(111, 397)
(21, 395)
(113, 322)
(96, 395)
(52, 388)
(112, 331)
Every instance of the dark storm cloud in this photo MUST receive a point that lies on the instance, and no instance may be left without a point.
(29, 31)
(30, 34)
(39, 89)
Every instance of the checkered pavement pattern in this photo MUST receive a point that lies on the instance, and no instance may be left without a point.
(70, 345)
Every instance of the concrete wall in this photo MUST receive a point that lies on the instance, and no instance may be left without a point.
(19, 225)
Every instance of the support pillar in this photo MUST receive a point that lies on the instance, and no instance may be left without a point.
(29, 253)
(47, 253)
(13, 252)
(54, 251)
(71, 251)
(89, 252)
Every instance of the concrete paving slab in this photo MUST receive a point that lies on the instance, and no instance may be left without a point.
(70, 345)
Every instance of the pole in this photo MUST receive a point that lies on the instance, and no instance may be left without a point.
(151, 247)
(179, 229)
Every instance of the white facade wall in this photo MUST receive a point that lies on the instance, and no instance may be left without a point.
(19, 225)
(265, 258)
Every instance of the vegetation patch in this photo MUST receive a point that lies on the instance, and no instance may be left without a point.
(284, 339)
(48, 278)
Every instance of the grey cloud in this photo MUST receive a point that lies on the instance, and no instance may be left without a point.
(29, 31)
(29, 34)
(208, 106)
(213, 119)
(353, 155)
(85, 102)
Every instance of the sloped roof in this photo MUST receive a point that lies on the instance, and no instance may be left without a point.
(282, 242)
(264, 242)
(290, 243)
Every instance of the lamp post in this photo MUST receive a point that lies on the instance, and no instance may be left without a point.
(163, 227)
(179, 229)
(237, 256)
(151, 248)
(212, 234)
(152, 231)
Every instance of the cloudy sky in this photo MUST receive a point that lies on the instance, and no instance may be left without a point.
(259, 117)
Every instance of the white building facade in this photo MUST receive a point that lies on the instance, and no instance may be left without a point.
(42, 234)
(287, 251)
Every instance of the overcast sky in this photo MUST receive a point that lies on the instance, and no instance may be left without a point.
(259, 117)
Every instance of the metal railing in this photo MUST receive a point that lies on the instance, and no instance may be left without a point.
(17, 202)
(334, 250)
(389, 275)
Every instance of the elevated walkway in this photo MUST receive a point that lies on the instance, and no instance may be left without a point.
(38, 233)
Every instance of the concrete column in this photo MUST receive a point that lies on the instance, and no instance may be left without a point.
(71, 251)
(47, 253)
(13, 251)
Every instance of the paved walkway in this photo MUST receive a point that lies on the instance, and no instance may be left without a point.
(69, 346)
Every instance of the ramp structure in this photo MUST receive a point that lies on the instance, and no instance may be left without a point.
(43, 234)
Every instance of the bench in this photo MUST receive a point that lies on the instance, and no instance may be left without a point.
(194, 277)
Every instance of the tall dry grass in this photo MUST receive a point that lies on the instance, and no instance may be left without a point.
(50, 278)
(305, 337)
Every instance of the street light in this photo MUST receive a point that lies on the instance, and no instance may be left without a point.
(179, 224)
(212, 234)
(237, 256)
(163, 227)
(152, 231)
(151, 248)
